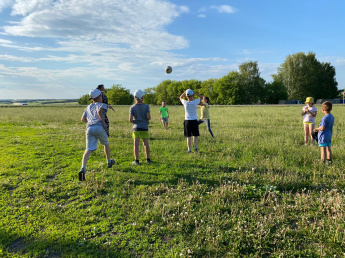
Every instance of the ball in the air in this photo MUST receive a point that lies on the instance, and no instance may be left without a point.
(168, 69)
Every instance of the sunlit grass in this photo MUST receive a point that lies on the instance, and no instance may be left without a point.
(255, 190)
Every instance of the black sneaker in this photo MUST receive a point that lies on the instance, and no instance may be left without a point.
(196, 150)
(82, 175)
(149, 161)
(111, 163)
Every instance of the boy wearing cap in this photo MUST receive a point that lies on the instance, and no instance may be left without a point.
(309, 113)
(191, 127)
(93, 116)
(139, 116)
(325, 132)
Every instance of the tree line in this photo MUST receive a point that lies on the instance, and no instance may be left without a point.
(300, 76)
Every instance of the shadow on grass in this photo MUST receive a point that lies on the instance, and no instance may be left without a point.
(13, 244)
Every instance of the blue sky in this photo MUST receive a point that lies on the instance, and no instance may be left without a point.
(63, 49)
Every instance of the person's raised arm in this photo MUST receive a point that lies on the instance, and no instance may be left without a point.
(182, 95)
(199, 96)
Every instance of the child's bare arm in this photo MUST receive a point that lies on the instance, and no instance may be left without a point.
(321, 128)
(199, 96)
(313, 113)
(84, 119)
(182, 95)
(110, 107)
(130, 118)
(100, 114)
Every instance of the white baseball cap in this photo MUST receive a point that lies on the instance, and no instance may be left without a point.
(189, 92)
(94, 93)
(139, 94)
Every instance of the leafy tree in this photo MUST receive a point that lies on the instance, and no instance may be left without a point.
(327, 83)
(84, 100)
(303, 75)
(175, 89)
(161, 92)
(118, 95)
(253, 84)
(229, 89)
(274, 91)
(150, 97)
(207, 89)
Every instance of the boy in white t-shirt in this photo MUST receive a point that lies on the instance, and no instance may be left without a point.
(96, 126)
(191, 127)
(309, 113)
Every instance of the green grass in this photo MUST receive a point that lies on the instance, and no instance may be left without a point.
(255, 190)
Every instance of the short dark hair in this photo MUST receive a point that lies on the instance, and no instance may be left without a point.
(208, 99)
(100, 86)
(163, 100)
(327, 106)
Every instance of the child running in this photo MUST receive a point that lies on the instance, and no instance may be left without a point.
(191, 127)
(164, 115)
(325, 131)
(95, 130)
(205, 114)
(309, 113)
(139, 116)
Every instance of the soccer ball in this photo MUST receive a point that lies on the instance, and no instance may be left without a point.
(168, 69)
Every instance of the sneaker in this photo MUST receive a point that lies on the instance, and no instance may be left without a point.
(188, 151)
(149, 161)
(135, 163)
(111, 163)
(196, 151)
(82, 175)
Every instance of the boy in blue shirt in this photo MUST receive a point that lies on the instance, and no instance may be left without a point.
(139, 116)
(325, 131)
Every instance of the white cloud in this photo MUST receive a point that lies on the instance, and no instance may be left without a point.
(116, 22)
(16, 58)
(202, 16)
(3, 41)
(23, 7)
(224, 8)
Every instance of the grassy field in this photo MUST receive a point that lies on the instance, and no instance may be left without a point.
(255, 190)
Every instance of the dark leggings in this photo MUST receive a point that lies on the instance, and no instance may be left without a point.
(208, 124)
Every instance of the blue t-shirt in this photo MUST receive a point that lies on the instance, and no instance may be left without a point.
(139, 112)
(327, 122)
(91, 113)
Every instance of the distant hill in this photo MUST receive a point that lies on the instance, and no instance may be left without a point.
(39, 101)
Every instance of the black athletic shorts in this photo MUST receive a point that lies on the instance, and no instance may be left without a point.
(191, 128)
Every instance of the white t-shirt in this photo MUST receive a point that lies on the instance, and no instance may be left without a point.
(91, 113)
(308, 117)
(190, 108)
